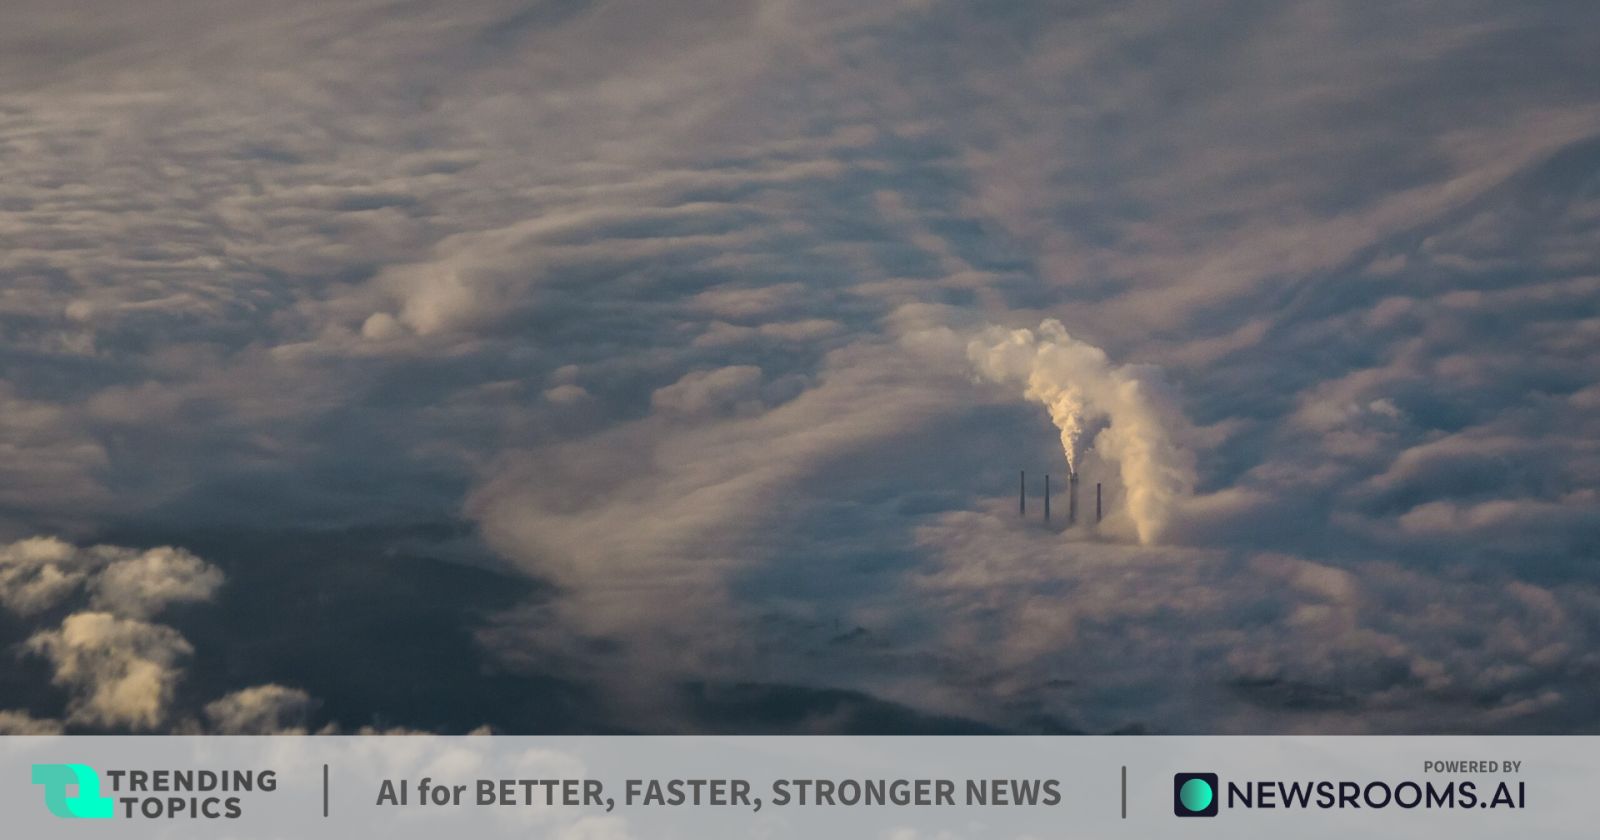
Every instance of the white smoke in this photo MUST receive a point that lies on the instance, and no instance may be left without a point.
(1121, 411)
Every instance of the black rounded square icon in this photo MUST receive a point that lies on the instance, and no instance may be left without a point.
(1195, 794)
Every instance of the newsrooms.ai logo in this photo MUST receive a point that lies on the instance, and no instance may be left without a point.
(1194, 794)
(85, 803)
(1202, 795)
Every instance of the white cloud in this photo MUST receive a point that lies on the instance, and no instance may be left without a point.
(142, 585)
(702, 392)
(40, 572)
(121, 672)
(260, 710)
(14, 722)
(566, 394)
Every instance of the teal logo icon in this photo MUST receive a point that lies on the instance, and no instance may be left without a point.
(72, 791)
(1195, 794)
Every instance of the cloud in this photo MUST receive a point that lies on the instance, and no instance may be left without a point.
(721, 333)
(733, 302)
(143, 585)
(676, 510)
(40, 572)
(711, 391)
(260, 710)
(566, 394)
(121, 672)
(1346, 644)
(119, 669)
(681, 329)
(53, 456)
(21, 723)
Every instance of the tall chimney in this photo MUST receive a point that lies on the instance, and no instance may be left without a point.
(1022, 494)
(1097, 502)
(1072, 498)
(1047, 497)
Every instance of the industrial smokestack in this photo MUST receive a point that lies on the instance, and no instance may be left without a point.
(1072, 498)
(1022, 494)
(1085, 392)
(1097, 503)
(1047, 497)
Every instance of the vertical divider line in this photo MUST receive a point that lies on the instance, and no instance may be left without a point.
(1124, 791)
(324, 791)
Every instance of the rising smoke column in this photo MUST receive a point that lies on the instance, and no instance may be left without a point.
(1084, 391)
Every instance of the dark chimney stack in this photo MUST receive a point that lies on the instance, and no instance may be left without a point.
(1072, 498)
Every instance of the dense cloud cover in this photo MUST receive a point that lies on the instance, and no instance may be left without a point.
(651, 359)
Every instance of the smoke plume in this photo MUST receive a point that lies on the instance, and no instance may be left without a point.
(1121, 411)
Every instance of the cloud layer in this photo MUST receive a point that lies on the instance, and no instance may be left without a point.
(661, 313)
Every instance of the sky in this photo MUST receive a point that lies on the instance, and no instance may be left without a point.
(605, 366)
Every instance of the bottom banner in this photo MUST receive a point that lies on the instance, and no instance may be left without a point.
(600, 788)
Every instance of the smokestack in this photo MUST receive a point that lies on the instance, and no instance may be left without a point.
(1022, 494)
(1086, 395)
(1097, 502)
(1047, 497)
(1072, 498)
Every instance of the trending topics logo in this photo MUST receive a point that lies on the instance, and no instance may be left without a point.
(85, 804)
(80, 792)
(1194, 794)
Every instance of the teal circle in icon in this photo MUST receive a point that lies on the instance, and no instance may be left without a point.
(1196, 795)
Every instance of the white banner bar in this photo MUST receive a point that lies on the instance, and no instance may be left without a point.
(598, 788)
